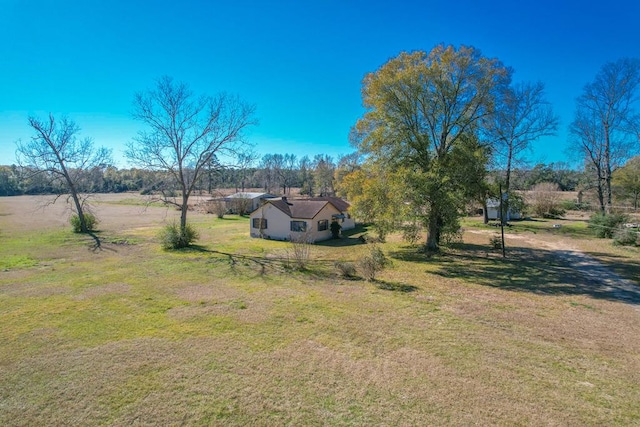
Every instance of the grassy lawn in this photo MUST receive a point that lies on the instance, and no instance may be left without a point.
(227, 333)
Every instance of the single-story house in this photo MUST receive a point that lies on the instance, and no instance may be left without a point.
(493, 211)
(244, 202)
(283, 219)
(344, 218)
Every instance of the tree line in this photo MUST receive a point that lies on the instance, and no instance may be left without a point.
(310, 176)
(313, 176)
(441, 129)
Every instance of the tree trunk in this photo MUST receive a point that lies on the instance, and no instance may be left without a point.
(433, 233)
(607, 165)
(504, 204)
(600, 192)
(485, 214)
(74, 194)
(76, 201)
(183, 212)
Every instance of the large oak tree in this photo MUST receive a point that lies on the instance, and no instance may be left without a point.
(423, 112)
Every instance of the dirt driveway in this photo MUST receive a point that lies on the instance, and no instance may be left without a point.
(591, 271)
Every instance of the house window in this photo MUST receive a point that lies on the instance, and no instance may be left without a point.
(260, 223)
(323, 225)
(298, 226)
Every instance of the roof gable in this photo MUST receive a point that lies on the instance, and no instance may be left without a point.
(340, 204)
(305, 208)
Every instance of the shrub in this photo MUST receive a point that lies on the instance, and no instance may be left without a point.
(411, 233)
(625, 237)
(545, 201)
(604, 226)
(89, 220)
(216, 207)
(572, 205)
(569, 205)
(173, 237)
(345, 269)
(496, 241)
(451, 237)
(335, 229)
(301, 249)
(241, 205)
(373, 262)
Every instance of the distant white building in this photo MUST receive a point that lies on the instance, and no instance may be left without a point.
(245, 202)
(493, 211)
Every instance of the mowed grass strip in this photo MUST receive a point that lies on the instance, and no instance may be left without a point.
(227, 334)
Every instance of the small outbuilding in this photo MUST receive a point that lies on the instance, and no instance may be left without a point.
(284, 219)
(245, 202)
(493, 211)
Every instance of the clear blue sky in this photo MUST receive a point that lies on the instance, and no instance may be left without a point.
(300, 62)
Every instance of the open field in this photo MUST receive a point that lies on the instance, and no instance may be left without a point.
(227, 334)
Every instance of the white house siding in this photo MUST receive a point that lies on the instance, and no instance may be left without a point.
(279, 223)
(348, 223)
(325, 214)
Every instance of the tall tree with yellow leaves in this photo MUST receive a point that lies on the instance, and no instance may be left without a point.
(423, 110)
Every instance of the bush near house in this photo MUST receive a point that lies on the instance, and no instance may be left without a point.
(605, 226)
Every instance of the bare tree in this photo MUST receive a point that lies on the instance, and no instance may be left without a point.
(185, 132)
(522, 116)
(246, 159)
(587, 137)
(324, 168)
(56, 151)
(288, 172)
(305, 176)
(270, 175)
(606, 125)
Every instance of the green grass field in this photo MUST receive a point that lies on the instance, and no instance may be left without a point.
(227, 333)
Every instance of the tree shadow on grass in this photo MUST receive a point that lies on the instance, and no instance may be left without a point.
(233, 217)
(396, 287)
(349, 238)
(317, 269)
(620, 265)
(539, 271)
(232, 258)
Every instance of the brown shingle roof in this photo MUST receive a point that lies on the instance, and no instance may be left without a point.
(305, 208)
(340, 204)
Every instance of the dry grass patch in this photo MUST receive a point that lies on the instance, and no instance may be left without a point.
(137, 335)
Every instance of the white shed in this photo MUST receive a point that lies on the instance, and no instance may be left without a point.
(493, 211)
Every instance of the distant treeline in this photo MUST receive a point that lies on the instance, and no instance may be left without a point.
(275, 173)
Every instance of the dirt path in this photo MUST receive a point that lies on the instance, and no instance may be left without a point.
(592, 270)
